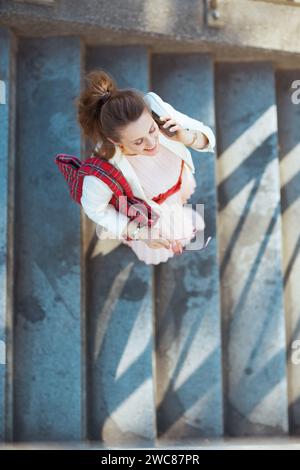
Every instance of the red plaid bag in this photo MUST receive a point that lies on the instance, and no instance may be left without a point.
(74, 170)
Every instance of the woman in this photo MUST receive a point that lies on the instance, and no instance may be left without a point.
(158, 168)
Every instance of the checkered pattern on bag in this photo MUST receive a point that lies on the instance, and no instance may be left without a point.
(74, 170)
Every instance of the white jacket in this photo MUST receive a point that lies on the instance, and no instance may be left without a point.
(96, 194)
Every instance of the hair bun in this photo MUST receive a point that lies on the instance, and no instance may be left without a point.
(105, 97)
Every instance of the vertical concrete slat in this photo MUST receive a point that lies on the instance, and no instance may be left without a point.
(250, 250)
(119, 305)
(47, 350)
(7, 121)
(188, 334)
(287, 88)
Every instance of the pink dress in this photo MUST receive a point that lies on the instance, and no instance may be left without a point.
(157, 174)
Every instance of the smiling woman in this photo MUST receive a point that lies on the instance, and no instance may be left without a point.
(148, 130)
(153, 158)
(106, 113)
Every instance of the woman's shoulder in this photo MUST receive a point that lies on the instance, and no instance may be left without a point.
(93, 184)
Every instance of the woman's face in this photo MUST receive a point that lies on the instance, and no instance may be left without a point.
(141, 137)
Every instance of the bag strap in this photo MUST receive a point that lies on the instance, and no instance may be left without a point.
(74, 170)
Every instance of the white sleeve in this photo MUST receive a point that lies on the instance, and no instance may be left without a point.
(95, 203)
(190, 123)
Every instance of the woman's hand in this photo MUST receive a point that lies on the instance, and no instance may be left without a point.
(182, 135)
(156, 240)
(162, 242)
(176, 247)
(153, 238)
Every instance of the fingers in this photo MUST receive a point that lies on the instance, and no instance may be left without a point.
(168, 120)
(170, 123)
(159, 240)
(158, 245)
(177, 247)
(165, 243)
(161, 243)
(163, 118)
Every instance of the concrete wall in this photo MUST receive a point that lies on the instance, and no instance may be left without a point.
(256, 27)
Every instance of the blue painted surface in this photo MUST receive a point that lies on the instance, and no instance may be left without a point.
(119, 295)
(251, 246)
(48, 334)
(47, 343)
(188, 332)
(5, 45)
(289, 141)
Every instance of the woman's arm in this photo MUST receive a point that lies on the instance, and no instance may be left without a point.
(195, 139)
(191, 124)
(95, 202)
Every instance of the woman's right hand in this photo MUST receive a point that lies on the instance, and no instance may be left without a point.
(161, 243)
(155, 240)
(165, 243)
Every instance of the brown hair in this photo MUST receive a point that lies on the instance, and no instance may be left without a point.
(101, 115)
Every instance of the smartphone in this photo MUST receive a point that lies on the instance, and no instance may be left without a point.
(160, 124)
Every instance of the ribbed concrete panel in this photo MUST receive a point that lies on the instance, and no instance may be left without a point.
(119, 306)
(47, 350)
(249, 226)
(188, 346)
(7, 104)
(288, 101)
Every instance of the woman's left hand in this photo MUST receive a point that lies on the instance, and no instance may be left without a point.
(177, 247)
(182, 135)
